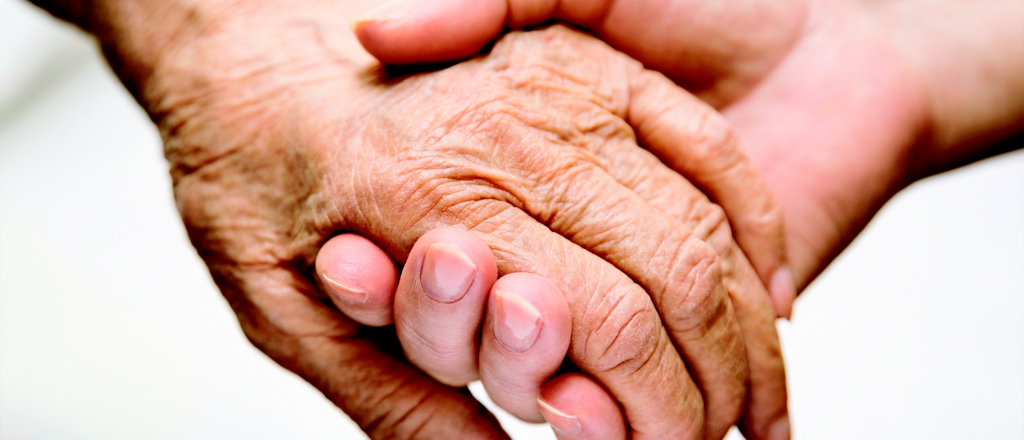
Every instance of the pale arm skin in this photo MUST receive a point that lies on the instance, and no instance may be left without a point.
(840, 103)
(281, 133)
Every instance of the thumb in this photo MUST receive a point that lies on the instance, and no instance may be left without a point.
(416, 31)
(716, 51)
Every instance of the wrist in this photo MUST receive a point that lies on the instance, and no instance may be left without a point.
(968, 59)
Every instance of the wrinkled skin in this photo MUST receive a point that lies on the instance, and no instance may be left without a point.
(840, 103)
(283, 141)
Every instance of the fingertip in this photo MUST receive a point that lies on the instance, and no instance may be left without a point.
(518, 322)
(526, 337)
(780, 430)
(528, 312)
(390, 11)
(440, 303)
(565, 424)
(578, 408)
(359, 277)
(782, 290)
(448, 253)
(447, 273)
(540, 293)
(777, 428)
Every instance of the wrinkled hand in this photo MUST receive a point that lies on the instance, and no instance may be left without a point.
(840, 103)
(279, 137)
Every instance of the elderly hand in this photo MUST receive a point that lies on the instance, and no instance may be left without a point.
(840, 103)
(528, 146)
(281, 134)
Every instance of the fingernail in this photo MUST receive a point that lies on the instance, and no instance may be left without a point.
(783, 292)
(390, 11)
(345, 292)
(780, 429)
(518, 322)
(447, 273)
(562, 423)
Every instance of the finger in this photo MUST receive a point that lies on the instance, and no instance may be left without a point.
(695, 140)
(359, 278)
(662, 187)
(690, 137)
(618, 336)
(719, 51)
(681, 273)
(767, 415)
(533, 188)
(440, 302)
(713, 158)
(582, 201)
(395, 32)
(669, 192)
(387, 398)
(578, 408)
(524, 340)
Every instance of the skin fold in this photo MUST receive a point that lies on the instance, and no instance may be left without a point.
(281, 133)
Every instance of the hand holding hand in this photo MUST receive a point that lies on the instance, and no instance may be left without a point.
(282, 133)
(840, 103)
(513, 332)
(281, 145)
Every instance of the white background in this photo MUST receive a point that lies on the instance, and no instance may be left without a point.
(110, 327)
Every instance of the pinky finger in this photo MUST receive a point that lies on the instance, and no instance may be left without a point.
(578, 408)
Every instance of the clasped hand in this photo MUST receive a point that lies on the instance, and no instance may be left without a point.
(531, 147)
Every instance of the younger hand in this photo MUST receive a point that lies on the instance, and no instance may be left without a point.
(458, 324)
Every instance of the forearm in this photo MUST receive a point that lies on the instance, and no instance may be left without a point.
(970, 57)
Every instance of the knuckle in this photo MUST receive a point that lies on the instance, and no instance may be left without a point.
(713, 141)
(548, 63)
(425, 190)
(568, 172)
(398, 406)
(626, 337)
(710, 223)
(410, 410)
(570, 182)
(706, 219)
(766, 221)
(701, 301)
